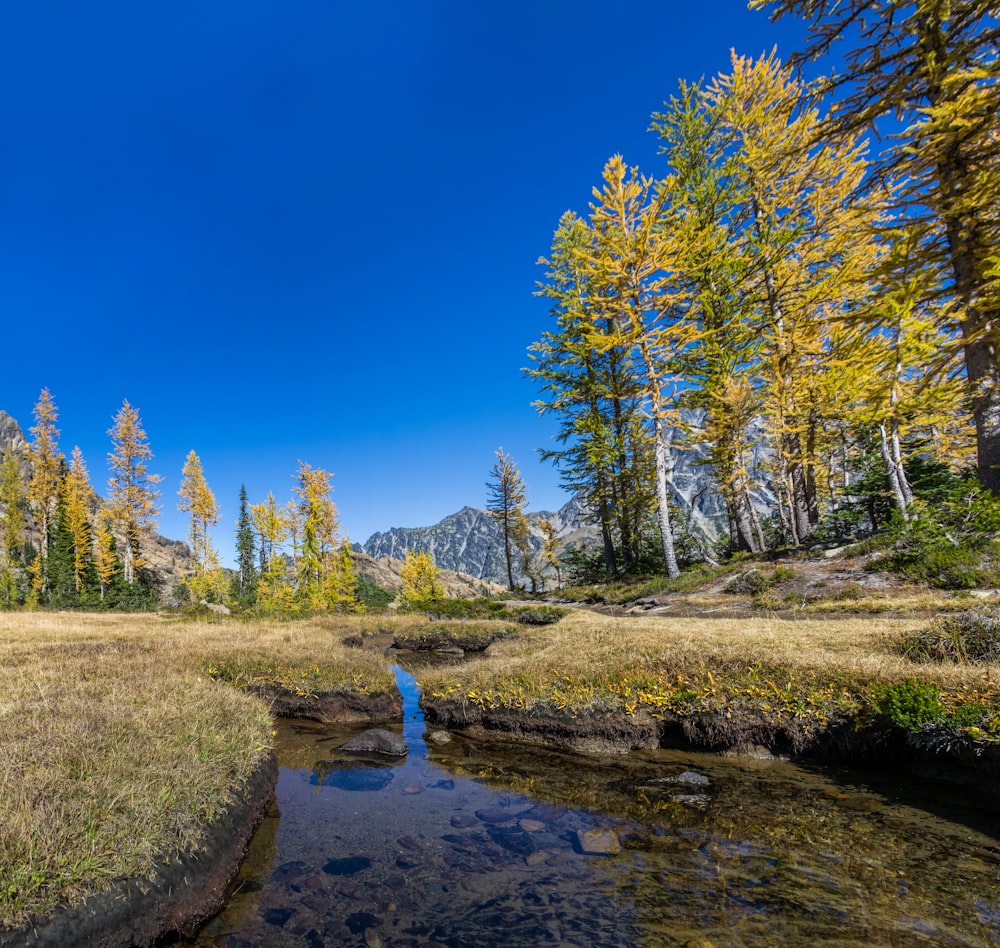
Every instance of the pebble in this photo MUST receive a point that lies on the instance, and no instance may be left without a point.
(536, 858)
(531, 826)
(463, 821)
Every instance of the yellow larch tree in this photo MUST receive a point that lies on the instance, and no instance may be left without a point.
(421, 578)
(79, 501)
(197, 499)
(274, 592)
(46, 461)
(132, 507)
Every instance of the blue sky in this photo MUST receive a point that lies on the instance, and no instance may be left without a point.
(309, 230)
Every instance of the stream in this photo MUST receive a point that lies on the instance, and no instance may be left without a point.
(470, 843)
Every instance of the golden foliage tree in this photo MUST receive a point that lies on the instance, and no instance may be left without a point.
(421, 578)
(78, 500)
(198, 500)
(46, 461)
(132, 507)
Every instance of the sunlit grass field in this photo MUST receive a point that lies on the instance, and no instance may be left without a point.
(117, 745)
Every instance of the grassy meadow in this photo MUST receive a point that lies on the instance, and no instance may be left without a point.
(121, 736)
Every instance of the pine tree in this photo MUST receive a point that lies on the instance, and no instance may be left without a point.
(132, 505)
(245, 581)
(318, 517)
(507, 497)
(199, 501)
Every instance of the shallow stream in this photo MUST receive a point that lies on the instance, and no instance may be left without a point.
(467, 843)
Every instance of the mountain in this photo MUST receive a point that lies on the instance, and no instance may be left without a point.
(470, 542)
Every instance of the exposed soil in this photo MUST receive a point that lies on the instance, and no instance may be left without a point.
(742, 735)
(175, 899)
(335, 707)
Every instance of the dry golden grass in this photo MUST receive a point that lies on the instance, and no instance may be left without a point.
(589, 661)
(117, 747)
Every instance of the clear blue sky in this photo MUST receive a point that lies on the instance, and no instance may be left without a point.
(308, 230)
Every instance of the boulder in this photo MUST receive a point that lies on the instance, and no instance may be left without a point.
(377, 740)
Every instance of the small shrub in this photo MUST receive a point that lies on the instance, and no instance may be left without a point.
(911, 704)
(751, 583)
(972, 636)
(537, 615)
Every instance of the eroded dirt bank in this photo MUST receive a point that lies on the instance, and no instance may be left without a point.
(842, 740)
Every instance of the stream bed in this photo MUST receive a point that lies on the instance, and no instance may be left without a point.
(469, 843)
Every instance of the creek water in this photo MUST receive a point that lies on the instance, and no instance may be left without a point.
(467, 843)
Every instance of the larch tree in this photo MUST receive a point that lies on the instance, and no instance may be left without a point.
(78, 502)
(132, 502)
(633, 251)
(13, 504)
(421, 578)
(197, 500)
(324, 570)
(274, 592)
(810, 250)
(46, 461)
(718, 368)
(506, 500)
(605, 454)
(932, 68)
(106, 562)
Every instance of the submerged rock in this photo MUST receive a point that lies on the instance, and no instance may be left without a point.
(377, 740)
(347, 866)
(597, 842)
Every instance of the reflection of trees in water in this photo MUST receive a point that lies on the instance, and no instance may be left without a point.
(778, 851)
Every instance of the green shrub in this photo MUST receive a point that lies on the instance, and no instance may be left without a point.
(537, 615)
(972, 636)
(910, 704)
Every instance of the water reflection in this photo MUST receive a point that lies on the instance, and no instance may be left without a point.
(464, 843)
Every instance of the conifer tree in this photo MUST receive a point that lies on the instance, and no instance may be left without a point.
(633, 249)
(106, 561)
(550, 548)
(132, 507)
(319, 540)
(13, 502)
(931, 66)
(810, 244)
(198, 500)
(274, 592)
(605, 455)
(78, 501)
(45, 458)
(245, 581)
(421, 578)
(506, 499)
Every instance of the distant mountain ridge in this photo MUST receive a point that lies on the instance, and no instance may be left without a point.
(470, 542)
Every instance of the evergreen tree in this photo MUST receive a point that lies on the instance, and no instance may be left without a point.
(507, 497)
(78, 501)
(245, 580)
